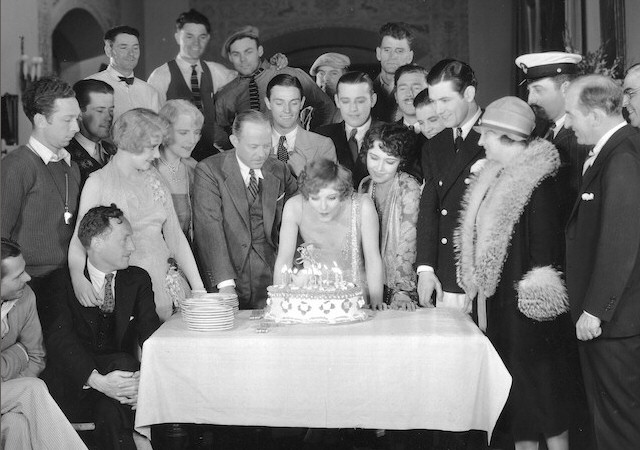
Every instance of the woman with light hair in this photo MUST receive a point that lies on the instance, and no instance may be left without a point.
(509, 249)
(175, 164)
(131, 182)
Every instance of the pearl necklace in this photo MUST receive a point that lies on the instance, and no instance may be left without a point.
(173, 170)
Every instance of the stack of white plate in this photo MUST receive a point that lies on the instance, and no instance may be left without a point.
(215, 297)
(206, 314)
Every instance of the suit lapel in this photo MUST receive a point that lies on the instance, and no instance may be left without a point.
(124, 304)
(470, 150)
(236, 187)
(269, 195)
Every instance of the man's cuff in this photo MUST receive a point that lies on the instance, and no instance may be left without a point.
(591, 315)
(424, 268)
(86, 383)
(24, 350)
(226, 283)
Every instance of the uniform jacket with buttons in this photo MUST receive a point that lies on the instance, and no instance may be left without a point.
(603, 238)
(446, 175)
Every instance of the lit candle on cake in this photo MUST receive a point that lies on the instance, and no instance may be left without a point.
(337, 273)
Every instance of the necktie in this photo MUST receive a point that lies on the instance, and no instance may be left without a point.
(283, 154)
(549, 135)
(353, 144)
(254, 93)
(253, 184)
(459, 140)
(589, 161)
(195, 88)
(99, 157)
(109, 303)
(128, 80)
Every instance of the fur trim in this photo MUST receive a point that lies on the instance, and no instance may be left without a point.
(542, 294)
(502, 192)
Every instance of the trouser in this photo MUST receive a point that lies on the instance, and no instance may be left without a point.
(256, 275)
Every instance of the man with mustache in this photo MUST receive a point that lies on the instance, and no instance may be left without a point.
(122, 46)
(90, 147)
(40, 182)
(237, 208)
(548, 76)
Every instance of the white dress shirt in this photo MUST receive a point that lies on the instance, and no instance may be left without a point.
(290, 142)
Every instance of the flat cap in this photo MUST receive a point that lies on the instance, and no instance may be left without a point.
(246, 31)
(508, 115)
(548, 64)
(335, 60)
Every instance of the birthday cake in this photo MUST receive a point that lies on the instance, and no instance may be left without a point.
(316, 294)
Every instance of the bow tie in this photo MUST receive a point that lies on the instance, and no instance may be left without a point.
(129, 80)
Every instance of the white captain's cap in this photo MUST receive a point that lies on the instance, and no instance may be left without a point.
(548, 64)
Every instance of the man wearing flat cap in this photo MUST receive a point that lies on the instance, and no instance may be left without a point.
(328, 69)
(548, 75)
(248, 91)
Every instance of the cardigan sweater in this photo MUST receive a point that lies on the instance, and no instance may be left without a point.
(33, 201)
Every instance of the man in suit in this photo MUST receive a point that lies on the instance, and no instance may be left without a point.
(355, 98)
(448, 160)
(237, 207)
(631, 99)
(89, 147)
(603, 260)
(548, 75)
(92, 367)
(394, 51)
(292, 144)
(244, 51)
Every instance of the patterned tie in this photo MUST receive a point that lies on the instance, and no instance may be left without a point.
(128, 80)
(254, 93)
(195, 88)
(353, 144)
(459, 140)
(109, 303)
(549, 135)
(253, 185)
(283, 154)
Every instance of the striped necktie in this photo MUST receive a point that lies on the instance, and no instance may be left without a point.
(254, 92)
(283, 154)
(196, 99)
(253, 185)
(459, 140)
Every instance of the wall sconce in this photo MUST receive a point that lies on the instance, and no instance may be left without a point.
(30, 67)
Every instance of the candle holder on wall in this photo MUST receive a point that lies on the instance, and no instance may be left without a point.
(30, 67)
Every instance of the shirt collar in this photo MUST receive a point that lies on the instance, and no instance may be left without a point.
(244, 171)
(46, 154)
(362, 130)
(558, 124)
(87, 144)
(603, 140)
(466, 127)
(182, 63)
(97, 277)
(116, 75)
(415, 126)
(291, 139)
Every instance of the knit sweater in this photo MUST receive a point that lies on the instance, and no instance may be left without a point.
(33, 200)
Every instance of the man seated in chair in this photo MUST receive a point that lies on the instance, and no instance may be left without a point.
(92, 368)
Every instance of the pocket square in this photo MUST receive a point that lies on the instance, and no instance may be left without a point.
(130, 318)
(587, 196)
(280, 198)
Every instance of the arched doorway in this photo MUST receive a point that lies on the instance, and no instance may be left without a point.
(77, 45)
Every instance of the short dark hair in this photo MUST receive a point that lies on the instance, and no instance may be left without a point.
(249, 115)
(460, 73)
(355, 78)
(284, 79)
(97, 221)
(323, 172)
(41, 95)
(9, 249)
(395, 140)
(85, 87)
(193, 16)
(397, 30)
(112, 33)
(422, 99)
(409, 68)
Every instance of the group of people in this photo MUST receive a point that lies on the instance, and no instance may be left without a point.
(131, 193)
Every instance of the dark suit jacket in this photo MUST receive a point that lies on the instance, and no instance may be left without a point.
(222, 226)
(338, 134)
(603, 238)
(446, 174)
(70, 329)
(86, 163)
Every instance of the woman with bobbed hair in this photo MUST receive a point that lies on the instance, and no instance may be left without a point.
(396, 196)
(131, 182)
(340, 225)
(175, 163)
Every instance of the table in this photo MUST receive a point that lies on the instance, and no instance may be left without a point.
(428, 369)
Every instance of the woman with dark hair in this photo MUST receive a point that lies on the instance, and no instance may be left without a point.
(508, 250)
(396, 196)
(131, 182)
(340, 226)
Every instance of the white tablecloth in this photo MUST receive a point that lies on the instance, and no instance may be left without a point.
(429, 369)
